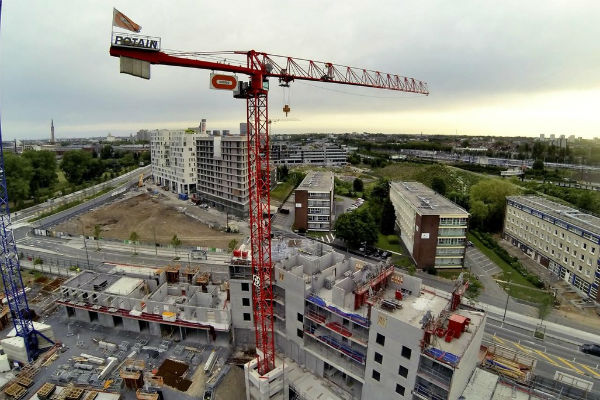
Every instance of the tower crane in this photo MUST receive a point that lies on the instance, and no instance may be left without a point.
(138, 54)
(10, 269)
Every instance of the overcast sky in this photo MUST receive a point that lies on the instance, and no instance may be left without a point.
(493, 67)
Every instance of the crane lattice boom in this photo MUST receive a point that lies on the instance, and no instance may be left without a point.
(260, 67)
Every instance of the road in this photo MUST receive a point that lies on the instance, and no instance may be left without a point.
(554, 352)
(558, 351)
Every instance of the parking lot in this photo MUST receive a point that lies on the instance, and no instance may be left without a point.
(479, 264)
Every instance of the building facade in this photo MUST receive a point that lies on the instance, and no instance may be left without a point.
(433, 229)
(222, 163)
(360, 328)
(323, 153)
(314, 202)
(561, 238)
(174, 164)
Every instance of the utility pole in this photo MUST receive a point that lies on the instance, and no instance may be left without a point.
(155, 244)
(507, 297)
(87, 256)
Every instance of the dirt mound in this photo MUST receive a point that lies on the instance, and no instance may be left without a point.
(172, 373)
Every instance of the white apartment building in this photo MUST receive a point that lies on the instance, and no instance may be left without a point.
(563, 239)
(433, 229)
(362, 331)
(320, 153)
(173, 155)
(222, 163)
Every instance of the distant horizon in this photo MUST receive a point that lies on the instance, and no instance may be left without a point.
(126, 134)
(490, 71)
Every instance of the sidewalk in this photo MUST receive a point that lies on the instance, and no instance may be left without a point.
(551, 327)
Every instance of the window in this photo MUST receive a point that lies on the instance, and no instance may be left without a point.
(406, 352)
(380, 339)
(378, 358)
(300, 333)
(402, 371)
(245, 287)
(584, 245)
(246, 301)
(376, 375)
(246, 316)
(300, 317)
(400, 389)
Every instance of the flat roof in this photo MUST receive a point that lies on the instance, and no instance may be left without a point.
(425, 200)
(124, 286)
(317, 181)
(568, 214)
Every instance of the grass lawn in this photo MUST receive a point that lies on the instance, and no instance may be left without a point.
(527, 293)
(451, 274)
(389, 242)
(282, 191)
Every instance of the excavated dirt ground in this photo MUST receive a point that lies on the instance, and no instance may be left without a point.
(147, 216)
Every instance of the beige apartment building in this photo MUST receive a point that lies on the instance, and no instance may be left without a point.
(315, 206)
(433, 228)
(222, 162)
(562, 239)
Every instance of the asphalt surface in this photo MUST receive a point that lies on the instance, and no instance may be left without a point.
(558, 351)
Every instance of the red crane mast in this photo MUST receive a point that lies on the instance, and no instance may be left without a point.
(260, 67)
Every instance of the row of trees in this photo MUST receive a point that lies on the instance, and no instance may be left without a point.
(33, 175)
(30, 175)
(364, 224)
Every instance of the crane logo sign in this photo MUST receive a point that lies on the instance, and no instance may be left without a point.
(223, 82)
(121, 39)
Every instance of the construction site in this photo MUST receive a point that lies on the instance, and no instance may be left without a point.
(284, 318)
(154, 217)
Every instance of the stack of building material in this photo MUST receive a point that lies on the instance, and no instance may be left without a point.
(169, 316)
(46, 391)
(172, 273)
(14, 348)
(4, 363)
(15, 391)
(72, 393)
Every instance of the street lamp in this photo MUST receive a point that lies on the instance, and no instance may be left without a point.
(507, 297)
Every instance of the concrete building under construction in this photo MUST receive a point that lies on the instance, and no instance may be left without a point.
(366, 330)
(170, 302)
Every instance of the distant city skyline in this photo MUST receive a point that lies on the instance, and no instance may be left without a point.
(504, 69)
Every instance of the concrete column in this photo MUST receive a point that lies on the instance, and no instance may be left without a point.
(131, 324)
(82, 315)
(106, 320)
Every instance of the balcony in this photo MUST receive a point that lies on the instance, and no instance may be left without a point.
(334, 358)
(336, 328)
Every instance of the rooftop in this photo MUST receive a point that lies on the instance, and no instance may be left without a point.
(567, 214)
(425, 200)
(317, 181)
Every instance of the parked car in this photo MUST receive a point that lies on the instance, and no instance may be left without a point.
(592, 349)
(469, 243)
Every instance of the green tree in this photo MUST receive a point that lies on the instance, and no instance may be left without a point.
(381, 190)
(75, 164)
(439, 185)
(283, 172)
(358, 185)
(44, 171)
(134, 238)
(232, 244)
(356, 227)
(354, 159)
(538, 166)
(106, 152)
(145, 157)
(19, 173)
(388, 218)
(544, 307)
(175, 242)
(488, 203)
(97, 232)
